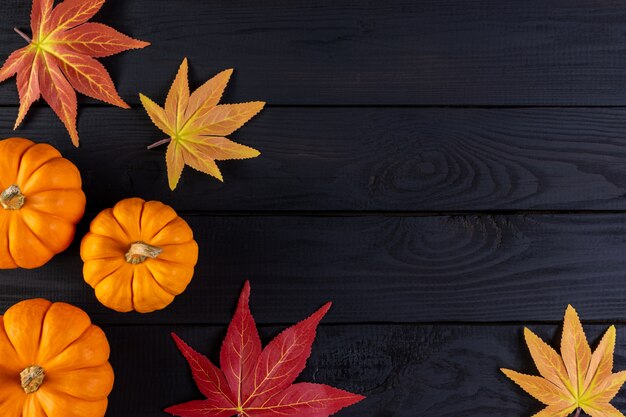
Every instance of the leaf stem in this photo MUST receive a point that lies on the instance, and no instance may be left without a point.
(159, 143)
(23, 35)
(577, 412)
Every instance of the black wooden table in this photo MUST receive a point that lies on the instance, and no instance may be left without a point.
(445, 171)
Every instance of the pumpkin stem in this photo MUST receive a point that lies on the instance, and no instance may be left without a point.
(140, 251)
(32, 378)
(12, 198)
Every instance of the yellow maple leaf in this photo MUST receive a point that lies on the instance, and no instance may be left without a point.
(197, 125)
(577, 379)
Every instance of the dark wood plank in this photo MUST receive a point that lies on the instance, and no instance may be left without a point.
(367, 52)
(379, 269)
(439, 371)
(364, 159)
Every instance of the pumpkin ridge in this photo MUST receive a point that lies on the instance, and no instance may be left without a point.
(128, 233)
(108, 275)
(9, 339)
(118, 284)
(45, 413)
(75, 193)
(43, 213)
(15, 355)
(163, 227)
(34, 170)
(21, 219)
(65, 348)
(177, 243)
(56, 369)
(40, 326)
(11, 148)
(8, 249)
(34, 215)
(111, 241)
(70, 176)
(156, 273)
(43, 320)
(143, 206)
(174, 263)
(32, 402)
(159, 284)
(18, 219)
(121, 227)
(132, 291)
(20, 159)
(57, 189)
(56, 392)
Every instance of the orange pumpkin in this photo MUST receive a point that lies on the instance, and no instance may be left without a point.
(54, 362)
(138, 256)
(40, 203)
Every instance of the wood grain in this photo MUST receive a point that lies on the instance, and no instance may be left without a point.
(355, 159)
(426, 52)
(379, 269)
(438, 371)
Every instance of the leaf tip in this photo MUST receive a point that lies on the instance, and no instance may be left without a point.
(571, 315)
(528, 333)
(244, 297)
(323, 310)
(612, 331)
(143, 98)
(359, 398)
(170, 410)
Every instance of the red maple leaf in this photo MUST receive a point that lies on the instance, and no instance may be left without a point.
(256, 382)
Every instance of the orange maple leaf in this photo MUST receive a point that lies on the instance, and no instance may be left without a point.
(60, 59)
(197, 125)
(575, 380)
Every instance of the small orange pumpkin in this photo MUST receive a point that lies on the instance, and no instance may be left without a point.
(40, 203)
(55, 363)
(138, 256)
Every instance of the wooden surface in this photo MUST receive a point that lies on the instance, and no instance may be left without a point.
(445, 171)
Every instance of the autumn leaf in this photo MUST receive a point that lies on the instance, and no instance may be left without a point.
(256, 382)
(60, 59)
(577, 379)
(197, 125)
